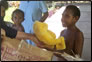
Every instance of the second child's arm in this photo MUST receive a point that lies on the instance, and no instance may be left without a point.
(78, 47)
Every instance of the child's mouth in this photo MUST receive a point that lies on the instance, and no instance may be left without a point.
(64, 24)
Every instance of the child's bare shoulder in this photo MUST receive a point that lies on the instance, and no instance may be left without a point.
(79, 33)
(62, 32)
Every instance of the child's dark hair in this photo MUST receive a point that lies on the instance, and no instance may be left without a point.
(4, 4)
(74, 9)
(18, 11)
(57, 6)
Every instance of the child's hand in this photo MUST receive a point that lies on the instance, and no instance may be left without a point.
(36, 41)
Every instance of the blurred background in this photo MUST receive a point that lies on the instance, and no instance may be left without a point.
(55, 9)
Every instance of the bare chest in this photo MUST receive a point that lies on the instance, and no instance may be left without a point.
(69, 38)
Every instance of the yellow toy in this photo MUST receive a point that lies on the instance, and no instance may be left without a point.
(48, 37)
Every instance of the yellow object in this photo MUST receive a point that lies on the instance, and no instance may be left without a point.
(48, 37)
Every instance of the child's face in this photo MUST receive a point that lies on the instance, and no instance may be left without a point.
(67, 18)
(18, 18)
(2, 11)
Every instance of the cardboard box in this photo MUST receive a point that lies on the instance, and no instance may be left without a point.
(10, 51)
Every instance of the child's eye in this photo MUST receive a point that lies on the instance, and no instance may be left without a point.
(67, 16)
(15, 17)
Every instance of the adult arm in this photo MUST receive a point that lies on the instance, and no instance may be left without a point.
(12, 33)
(43, 18)
(22, 35)
(44, 10)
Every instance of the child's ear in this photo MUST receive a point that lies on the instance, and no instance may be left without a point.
(23, 18)
(76, 18)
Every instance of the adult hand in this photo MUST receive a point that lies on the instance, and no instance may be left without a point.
(38, 42)
(42, 45)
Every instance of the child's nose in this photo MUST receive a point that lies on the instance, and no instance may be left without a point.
(17, 19)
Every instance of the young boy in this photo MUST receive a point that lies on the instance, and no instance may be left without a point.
(73, 36)
(18, 18)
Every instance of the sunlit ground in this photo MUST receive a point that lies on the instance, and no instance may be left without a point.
(54, 22)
